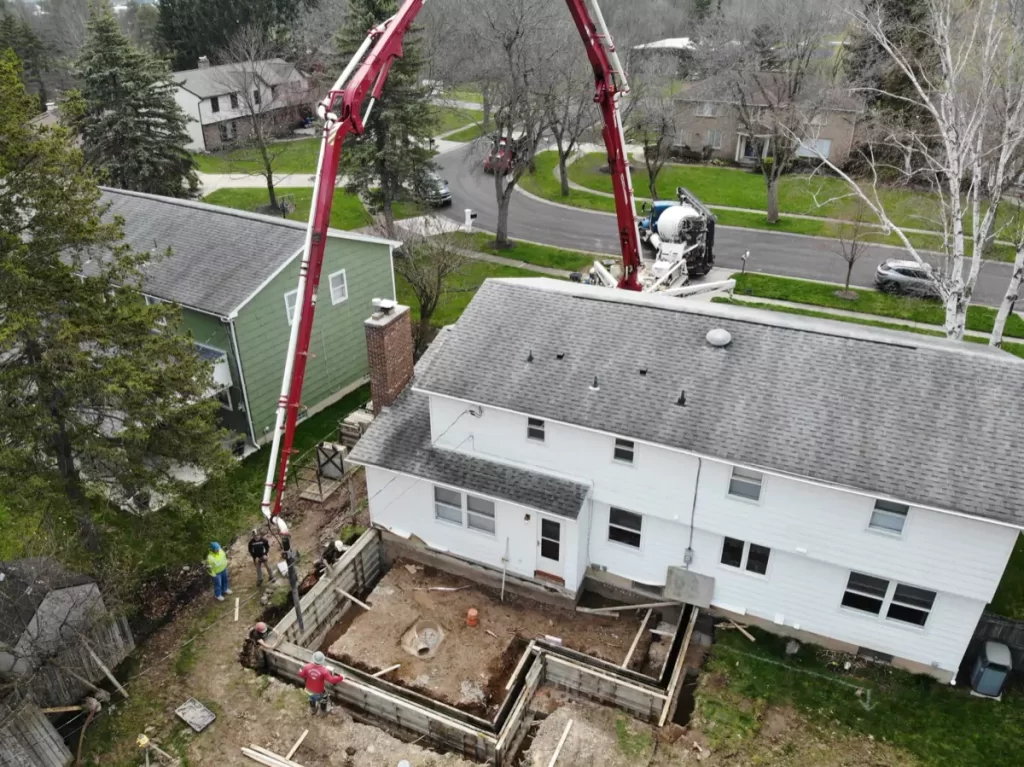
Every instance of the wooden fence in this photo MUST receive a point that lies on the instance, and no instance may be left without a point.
(27, 739)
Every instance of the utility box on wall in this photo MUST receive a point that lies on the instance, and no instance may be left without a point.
(689, 587)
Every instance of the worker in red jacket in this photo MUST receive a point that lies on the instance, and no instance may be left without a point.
(316, 674)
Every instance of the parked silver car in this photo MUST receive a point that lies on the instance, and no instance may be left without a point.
(908, 277)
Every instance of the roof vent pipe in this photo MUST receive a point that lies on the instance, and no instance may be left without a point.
(594, 386)
(719, 337)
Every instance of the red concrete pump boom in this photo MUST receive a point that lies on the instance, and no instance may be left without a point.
(342, 114)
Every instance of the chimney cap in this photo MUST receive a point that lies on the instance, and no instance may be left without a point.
(204, 62)
(383, 305)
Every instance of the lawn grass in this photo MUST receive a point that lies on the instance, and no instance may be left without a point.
(528, 252)
(462, 286)
(467, 134)
(740, 188)
(544, 184)
(297, 156)
(1009, 597)
(347, 212)
(930, 312)
(467, 93)
(449, 118)
(940, 725)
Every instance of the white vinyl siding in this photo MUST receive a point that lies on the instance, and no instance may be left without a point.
(745, 484)
(339, 287)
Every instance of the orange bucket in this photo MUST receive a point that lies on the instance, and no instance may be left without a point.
(471, 617)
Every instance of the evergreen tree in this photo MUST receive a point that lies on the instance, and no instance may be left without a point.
(132, 128)
(19, 36)
(97, 407)
(392, 155)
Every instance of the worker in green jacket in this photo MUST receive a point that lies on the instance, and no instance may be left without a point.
(217, 564)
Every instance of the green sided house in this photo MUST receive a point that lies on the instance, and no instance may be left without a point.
(234, 274)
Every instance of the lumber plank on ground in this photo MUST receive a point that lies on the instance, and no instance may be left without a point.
(348, 596)
(742, 630)
(387, 670)
(636, 639)
(561, 742)
(298, 743)
(623, 608)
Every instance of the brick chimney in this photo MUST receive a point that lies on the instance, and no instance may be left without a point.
(204, 62)
(389, 348)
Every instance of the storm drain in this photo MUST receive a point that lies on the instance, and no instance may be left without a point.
(422, 639)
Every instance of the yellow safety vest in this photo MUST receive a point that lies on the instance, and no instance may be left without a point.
(216, 562)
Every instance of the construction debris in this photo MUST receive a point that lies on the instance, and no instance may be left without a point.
(742, 630)
(387, 670)
(636, 639)
(440, 588)
(298, 743)
(268, 758)
(622, 608)
(353, 427)
(561, 742)
(348, 596)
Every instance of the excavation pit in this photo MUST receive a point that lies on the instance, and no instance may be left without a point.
(463, 666)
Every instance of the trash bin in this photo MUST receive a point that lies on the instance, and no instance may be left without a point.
(991, 669)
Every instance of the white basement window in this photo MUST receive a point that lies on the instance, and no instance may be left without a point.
(624, 451)
(448, 505)
(339, 287)
(290, 300)
(480, 514)
(889, 517)
(745, 484)
(742, 555)
(535, 429)
(624, 527)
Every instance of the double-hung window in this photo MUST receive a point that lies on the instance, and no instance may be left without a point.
(535, 429)
(448, 505)
(480, 514)
(889, 517)
(745, 484)
(339, 287)
(624, 450)
(896, 601)
(742, 555)
(625, 527)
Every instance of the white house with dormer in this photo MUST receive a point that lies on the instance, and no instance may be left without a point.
(850, 486)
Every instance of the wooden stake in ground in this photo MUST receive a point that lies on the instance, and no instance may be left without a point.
(236, 609)
(636, 639)
(561, 742)
(298, 743)
(106, 671)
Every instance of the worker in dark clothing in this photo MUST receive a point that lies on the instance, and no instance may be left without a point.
(316, 675)
(259, 548)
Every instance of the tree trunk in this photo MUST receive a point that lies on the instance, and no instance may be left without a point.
(956, 315)
(64, 454)
(387, 208)
(487, 113)
(1009, 300)
(773, 199)
(270, 190)
(849, 271)
(504, 197)
(652, 180)
(563, 170)
(422, 335)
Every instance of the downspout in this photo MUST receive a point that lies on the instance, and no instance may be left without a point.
(241, 375)
(688, 555)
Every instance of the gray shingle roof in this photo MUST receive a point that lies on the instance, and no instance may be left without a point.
(223, 78)
(219, 256)
(915, 418)
(24, 584)
(399, 439)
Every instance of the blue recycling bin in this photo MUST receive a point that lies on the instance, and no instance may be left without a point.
(991, 669)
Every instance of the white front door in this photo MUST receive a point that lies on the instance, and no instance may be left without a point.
(549, 543)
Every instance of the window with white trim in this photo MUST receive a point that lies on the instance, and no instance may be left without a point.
(625, 527)
(624, 450)
(234, 100)
(714, 139)
(448, 505)
(889, 517)
(290, 300)
(743, 555)
(897, 601)
(480, 514)
(339, 287)
(745, 483)
(535, 429)
(707, 109)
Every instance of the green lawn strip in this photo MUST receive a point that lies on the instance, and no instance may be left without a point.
(462, 285)
(979, 318)
(298, 156)
(740, 188)
(467, 93)
(1009, 597)
(530, 253)
(347, 212)
(450, 118)
(544, 184)
(470, 133)
(939, 724)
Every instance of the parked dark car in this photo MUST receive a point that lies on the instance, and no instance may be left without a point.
(908, 277)
(436, 191)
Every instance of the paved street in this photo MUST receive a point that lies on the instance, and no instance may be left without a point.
(790, 255)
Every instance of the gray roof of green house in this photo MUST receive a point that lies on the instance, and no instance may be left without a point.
(220, 257)
(24, 584)
(910, 417)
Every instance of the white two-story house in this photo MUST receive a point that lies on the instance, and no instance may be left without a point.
(855, 487)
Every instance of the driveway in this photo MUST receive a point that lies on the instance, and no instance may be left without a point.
(789, 255)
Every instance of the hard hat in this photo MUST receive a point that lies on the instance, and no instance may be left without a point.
(261, 627)
(318, 658)
(255, 532)
(339, 545)
(215, 546)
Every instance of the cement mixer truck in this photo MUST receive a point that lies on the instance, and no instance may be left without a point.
(681, 234)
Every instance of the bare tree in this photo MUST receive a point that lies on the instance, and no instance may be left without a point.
(851, 234)
(764, 60)
(1009, 302)
(971, 155)
(263, 102)
(571, 112)
(653, 125)
(519, 36)
(428, 260)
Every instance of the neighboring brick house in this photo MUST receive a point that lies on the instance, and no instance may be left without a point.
(221, 115)
(708, 115)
